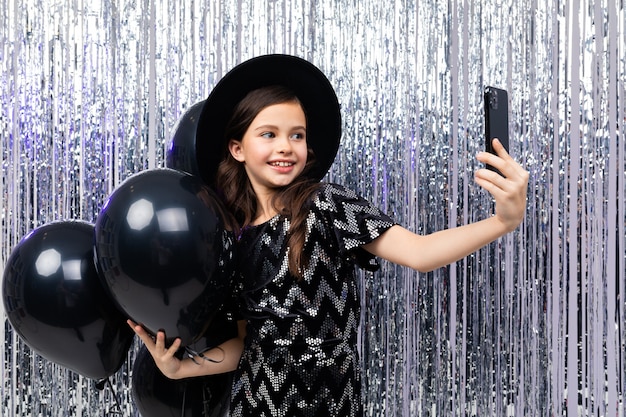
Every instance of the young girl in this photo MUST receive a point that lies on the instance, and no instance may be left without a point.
(268, 133)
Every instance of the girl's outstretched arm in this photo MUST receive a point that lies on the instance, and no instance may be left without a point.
(425, 253)
(225, 357)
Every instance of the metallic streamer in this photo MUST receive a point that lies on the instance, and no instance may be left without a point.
(530, 325)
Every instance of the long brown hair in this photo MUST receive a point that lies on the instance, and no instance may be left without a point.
(236, 190)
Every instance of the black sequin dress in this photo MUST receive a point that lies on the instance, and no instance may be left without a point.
(300, 356)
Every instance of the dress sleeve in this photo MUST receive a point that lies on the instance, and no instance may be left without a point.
(355, 222)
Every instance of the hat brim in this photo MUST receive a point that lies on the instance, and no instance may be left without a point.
(309, 84)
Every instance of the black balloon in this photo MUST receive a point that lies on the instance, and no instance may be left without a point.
(164, 253)
(181, 153)
(56, 303)
(157, 396)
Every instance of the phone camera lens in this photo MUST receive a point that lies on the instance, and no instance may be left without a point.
(493, 99)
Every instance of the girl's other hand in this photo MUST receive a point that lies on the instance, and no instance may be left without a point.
(509, 191)
(163, 356)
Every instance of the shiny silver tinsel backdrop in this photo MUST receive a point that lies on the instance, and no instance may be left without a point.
(530, 326)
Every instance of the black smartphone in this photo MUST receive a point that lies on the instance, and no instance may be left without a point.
(496, 102)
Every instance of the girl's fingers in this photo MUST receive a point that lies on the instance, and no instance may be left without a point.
(504, 163)
(509, 191)
(174, 347)
(513, 166)
(500, 150)
(146, 338)
(164, 357)
(141, 332)
(162, 349)
(160, 341)
(156, 346)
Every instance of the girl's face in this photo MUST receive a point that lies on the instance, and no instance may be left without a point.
(273, 149)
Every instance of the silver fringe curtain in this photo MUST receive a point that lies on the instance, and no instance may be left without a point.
(528, 326)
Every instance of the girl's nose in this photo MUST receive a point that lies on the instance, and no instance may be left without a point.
(284, 145)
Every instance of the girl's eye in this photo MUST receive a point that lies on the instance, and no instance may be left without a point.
(268, 135)
(297, 136)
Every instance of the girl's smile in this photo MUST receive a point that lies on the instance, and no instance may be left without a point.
(274, 148)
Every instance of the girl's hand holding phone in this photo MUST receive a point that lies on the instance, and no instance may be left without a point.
(509, 192)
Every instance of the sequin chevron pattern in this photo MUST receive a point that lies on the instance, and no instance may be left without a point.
(301, 357)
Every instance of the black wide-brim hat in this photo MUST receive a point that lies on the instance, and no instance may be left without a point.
(310, 85)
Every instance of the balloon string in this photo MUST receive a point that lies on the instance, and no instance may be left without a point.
(117, 409)
(206, 399)
(192, 354)
(182, 410)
